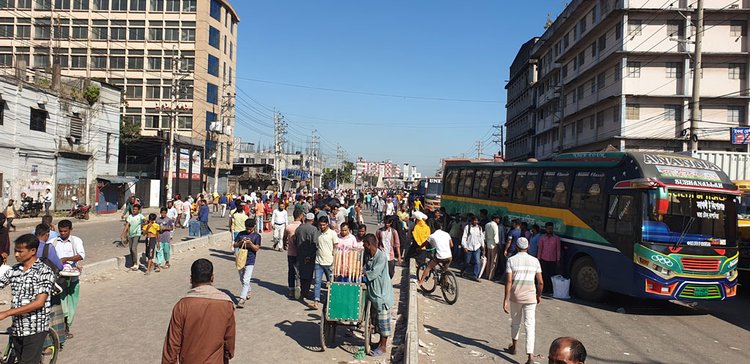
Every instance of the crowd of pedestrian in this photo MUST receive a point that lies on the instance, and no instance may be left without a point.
(503, 248)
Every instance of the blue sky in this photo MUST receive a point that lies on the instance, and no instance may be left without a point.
(387, 61)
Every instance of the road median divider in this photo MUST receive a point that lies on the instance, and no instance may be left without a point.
(411, 354)
(110, 264)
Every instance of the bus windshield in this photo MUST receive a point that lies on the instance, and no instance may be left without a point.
(694, 218)
(434, 189)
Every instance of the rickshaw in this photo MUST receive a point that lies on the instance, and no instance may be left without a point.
(347, 303)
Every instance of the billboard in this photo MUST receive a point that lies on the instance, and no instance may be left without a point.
(740, 135)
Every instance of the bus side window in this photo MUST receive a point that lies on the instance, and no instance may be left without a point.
(555, 187)
(451, 182)
(519, 187)
(506, 185)
(533, 180)
(496, 185)
(481, 183)
(465, 182)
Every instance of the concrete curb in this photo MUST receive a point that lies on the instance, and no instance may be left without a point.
(411, 355)
(179, 247)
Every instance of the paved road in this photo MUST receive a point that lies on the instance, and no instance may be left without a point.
(100, 234)
(476, 329)
(123, 316)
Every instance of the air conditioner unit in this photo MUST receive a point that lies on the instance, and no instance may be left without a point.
(215, 127)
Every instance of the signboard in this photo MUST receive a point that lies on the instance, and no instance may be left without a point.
(684, 171)
(181, 168)
(740, 135)
(195, 165)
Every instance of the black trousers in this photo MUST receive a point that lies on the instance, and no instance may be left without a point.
(391, 268)
(549, 269)
(28, 349)
(304, 288)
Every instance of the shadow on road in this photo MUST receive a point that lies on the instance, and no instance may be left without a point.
(223, 256)
(463, 341)
(596, 359)
(230, 294)
(305, 333)
(277, 288)
(221, 251)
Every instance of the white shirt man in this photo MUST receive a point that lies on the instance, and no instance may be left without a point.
(69, 247)
(521, 296)
(441, 241)
(172, 213)
(280, 219)
(389, 209)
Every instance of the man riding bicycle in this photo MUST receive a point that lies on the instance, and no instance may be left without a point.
(442, 244)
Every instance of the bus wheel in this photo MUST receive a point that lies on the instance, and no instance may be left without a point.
(585, 279)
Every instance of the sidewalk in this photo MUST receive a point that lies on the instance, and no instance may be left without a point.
(31, 222)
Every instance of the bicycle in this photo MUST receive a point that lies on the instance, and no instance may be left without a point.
(50, 349)
(439, 275)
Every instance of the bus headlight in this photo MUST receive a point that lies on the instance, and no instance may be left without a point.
(662, 270)
(732, 274)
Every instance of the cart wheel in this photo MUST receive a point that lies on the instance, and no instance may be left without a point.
(366, 328)
(324, 328)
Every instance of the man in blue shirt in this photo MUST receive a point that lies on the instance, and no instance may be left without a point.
(223, 201)
(42, 233)
(203, 217)
(513, 235)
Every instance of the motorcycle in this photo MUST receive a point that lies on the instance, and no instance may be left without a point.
(79, 211)
(29, 207)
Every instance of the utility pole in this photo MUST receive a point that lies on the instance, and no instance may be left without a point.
(339, 153)
(173, 109)
(314, 152)
(279, 127)
(499, 138)
(226, 105)
(479, 149)
(697, 70)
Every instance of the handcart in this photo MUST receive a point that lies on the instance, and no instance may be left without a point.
(347, 303)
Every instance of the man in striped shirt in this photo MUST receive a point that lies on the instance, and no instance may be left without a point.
(522, 295)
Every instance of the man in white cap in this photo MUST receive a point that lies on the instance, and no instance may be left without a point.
(522, 295)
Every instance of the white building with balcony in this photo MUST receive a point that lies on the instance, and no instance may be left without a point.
(619, 73)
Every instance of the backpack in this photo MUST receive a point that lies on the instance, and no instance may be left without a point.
(60, 283)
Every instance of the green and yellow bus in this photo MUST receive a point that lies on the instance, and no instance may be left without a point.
(655, 225)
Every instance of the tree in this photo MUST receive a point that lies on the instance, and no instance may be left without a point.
(344, 174)
(129, 132)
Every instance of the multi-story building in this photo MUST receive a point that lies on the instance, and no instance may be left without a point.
(519, 124)
(387, 168)
(59, 140)
(153, 50)
(618, 74)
